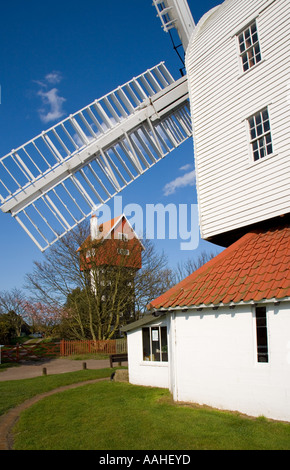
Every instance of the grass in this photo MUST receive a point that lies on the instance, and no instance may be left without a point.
(120, 416)
(14, 392)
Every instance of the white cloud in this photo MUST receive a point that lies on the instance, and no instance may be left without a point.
(53, 78)
(52, 102)
(187, 167)
(52, 105)
(188, 179)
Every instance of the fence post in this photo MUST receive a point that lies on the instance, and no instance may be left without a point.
(17, 352)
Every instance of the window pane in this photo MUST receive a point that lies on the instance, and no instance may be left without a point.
(146, 344)
(262, 335)
(253, 28)
(155, 344)
(251, 57)
(265, 114)
(266, 126)
(253, 133)
(246, 66)
(241, 42)
(251, 122)
(258, 119)
(164, 344)
(269, 149)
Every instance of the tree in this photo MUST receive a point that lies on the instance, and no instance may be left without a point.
(191, 264)
(153, 279)
(7, 330)
(97, 298)
(12, 304)
(41, 317)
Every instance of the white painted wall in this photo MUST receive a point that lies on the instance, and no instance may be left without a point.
(233, 191)
(216, 361)
(152, 374)
(213, 361)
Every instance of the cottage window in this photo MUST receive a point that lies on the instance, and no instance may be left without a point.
(262, 334)
(155, 344)
(260, 134)
(249, 46)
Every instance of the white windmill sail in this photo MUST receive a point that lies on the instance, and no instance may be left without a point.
(56, 180)
(176, 14)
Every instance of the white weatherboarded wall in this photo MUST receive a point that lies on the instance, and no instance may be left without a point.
(233, 191)
(216, 361)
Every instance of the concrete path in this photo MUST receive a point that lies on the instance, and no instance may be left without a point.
(53, 366)
(8, 421)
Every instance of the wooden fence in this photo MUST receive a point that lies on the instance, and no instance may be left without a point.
(69, 348)
(35, 351)
(29, 351)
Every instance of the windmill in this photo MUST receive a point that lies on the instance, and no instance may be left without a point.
(62, 176)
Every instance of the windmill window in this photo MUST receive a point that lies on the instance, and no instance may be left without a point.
(249, 47)
(260, 134)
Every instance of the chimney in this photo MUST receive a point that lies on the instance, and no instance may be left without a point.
(94, 228)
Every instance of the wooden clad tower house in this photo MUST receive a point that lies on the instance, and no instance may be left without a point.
(228, 324)
(113, 243)
(110, 258)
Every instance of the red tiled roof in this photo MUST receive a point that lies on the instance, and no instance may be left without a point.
(255, 268)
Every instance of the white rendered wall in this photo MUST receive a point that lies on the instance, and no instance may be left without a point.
(234, 191)
(152, 374)
(216, 361)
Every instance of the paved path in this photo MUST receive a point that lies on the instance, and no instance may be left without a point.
(8, 421)
(53, 366)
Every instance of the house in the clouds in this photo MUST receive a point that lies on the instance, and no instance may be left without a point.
(110, 258)
(221, 337)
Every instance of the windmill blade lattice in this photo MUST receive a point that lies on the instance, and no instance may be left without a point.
(56, 180)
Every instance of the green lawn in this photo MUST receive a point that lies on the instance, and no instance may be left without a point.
(14, 392)
(120, 416)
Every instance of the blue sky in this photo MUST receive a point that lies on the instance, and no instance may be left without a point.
(58, 57)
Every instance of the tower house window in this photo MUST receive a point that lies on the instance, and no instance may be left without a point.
(249, 46)
(122, 251)
(123, 236)
(260, 134)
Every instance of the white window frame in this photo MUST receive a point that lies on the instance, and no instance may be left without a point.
(260, 135)
(249, 47)
(150, 357)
